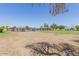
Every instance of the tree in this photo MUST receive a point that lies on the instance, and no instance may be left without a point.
(54, 26)
(77, 27)
(46, 26)
(1, 29)
(61, 27)
(58, 8)
(41, 27)
(54, 8)
(27, 27)
(23, 29)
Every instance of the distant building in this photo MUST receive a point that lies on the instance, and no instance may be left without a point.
(8, 28)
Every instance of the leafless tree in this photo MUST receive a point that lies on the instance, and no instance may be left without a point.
(54, 8)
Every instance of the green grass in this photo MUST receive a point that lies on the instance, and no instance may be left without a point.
(5, 34)
(64, 32)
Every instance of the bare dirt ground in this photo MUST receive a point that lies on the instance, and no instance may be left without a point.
(14, 44)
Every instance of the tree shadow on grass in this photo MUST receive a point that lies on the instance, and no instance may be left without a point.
(76, 41)
(44, 48)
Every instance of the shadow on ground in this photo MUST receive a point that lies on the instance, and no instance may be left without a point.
(44, 48)
(76, 41)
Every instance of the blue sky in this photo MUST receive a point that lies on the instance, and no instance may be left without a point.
(24, 14)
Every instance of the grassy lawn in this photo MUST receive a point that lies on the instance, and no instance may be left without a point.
(5, 34)
(55, 32)
(64, 32)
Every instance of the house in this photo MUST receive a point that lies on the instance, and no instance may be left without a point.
(10, 28)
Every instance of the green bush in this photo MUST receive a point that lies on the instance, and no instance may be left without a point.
(77, 27)
(1, 30)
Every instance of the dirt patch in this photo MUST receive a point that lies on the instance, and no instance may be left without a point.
(14, 44)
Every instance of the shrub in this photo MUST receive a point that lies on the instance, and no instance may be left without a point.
(61, 27)
(77, 27)
(1, 30)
